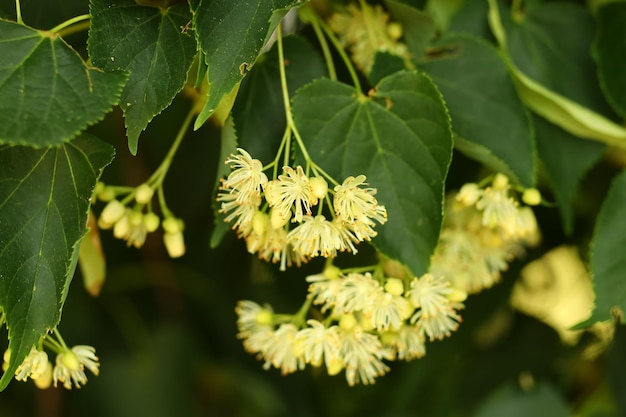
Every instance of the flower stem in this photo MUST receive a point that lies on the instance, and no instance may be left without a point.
(18, 12)
(342, 53)
(70, 22)
(312, 17)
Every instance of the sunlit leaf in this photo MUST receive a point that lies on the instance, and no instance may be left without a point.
(400, 138)
(483, 103)
(231, 35)
(44, 201)
(609, 50)
(608, 259)
(153, 45)
(47, 93)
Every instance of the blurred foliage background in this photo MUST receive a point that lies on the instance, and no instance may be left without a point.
(166, 336)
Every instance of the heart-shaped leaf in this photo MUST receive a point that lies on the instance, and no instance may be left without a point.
(43, 215)
(47, 93)
(150, 43)
(400, 138)
(231, 35)
(608, 258)
(479, 90)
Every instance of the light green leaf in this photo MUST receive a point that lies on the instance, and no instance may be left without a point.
(609, 50)
(231, 35)
(510, 401)
(259, 111)
(47, 93)
(608, 254)
(400, 138)
(560, 88)
(43, 214)
(484, 106)
(566, 159)
(153, 45)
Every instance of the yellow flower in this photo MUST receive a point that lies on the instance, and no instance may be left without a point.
(318, 344)
(247, 176)
(291, 190)
(280, 351)
(33, 366)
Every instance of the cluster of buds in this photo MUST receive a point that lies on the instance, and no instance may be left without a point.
(132, 224)
(68, 369)
(366, 31)
(275, 217)
(485, 228)
(368, 321)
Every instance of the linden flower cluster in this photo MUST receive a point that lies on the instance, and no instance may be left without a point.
(367, 321)
(484, 230)
(68, 370)
(133, 224)
(275, 217)
(367, 31)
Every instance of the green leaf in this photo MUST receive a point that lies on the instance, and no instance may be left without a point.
(43, 215)
(418, 27)
(566, 159)
(384, 64)
(560, 84)
(483, 103)
(608, 258)
(609, 50)
(400, 138)
(510, 401)
(47, 93)
(259, 112)
(150, 43)
(231, 35)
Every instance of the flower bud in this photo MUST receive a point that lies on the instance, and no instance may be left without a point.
(531, 196)
(135, 218)
(121, 228)
(260, 223)
(151, 222)
(143, 194)
(106, 194)
(69, 359)
(394, 31)
(469, 194)
(44, 380)
(347, 322)
(111, 213)
(175, 244)
(334, 366)
(277, 220)
(173, 225)
(319, 187)
(500, 182)
(394, 286)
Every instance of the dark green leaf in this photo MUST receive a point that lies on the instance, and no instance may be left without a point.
(418, 27)
(484, 106)
(153, 44)
(400, 139)
(43, 215)
(550, 43)
(259, 112)
(566, 159)
(231, 35)
(510, 401)
(384, 64)
(471, 18)
(609, 51)
(47, 93)
(608, 258)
